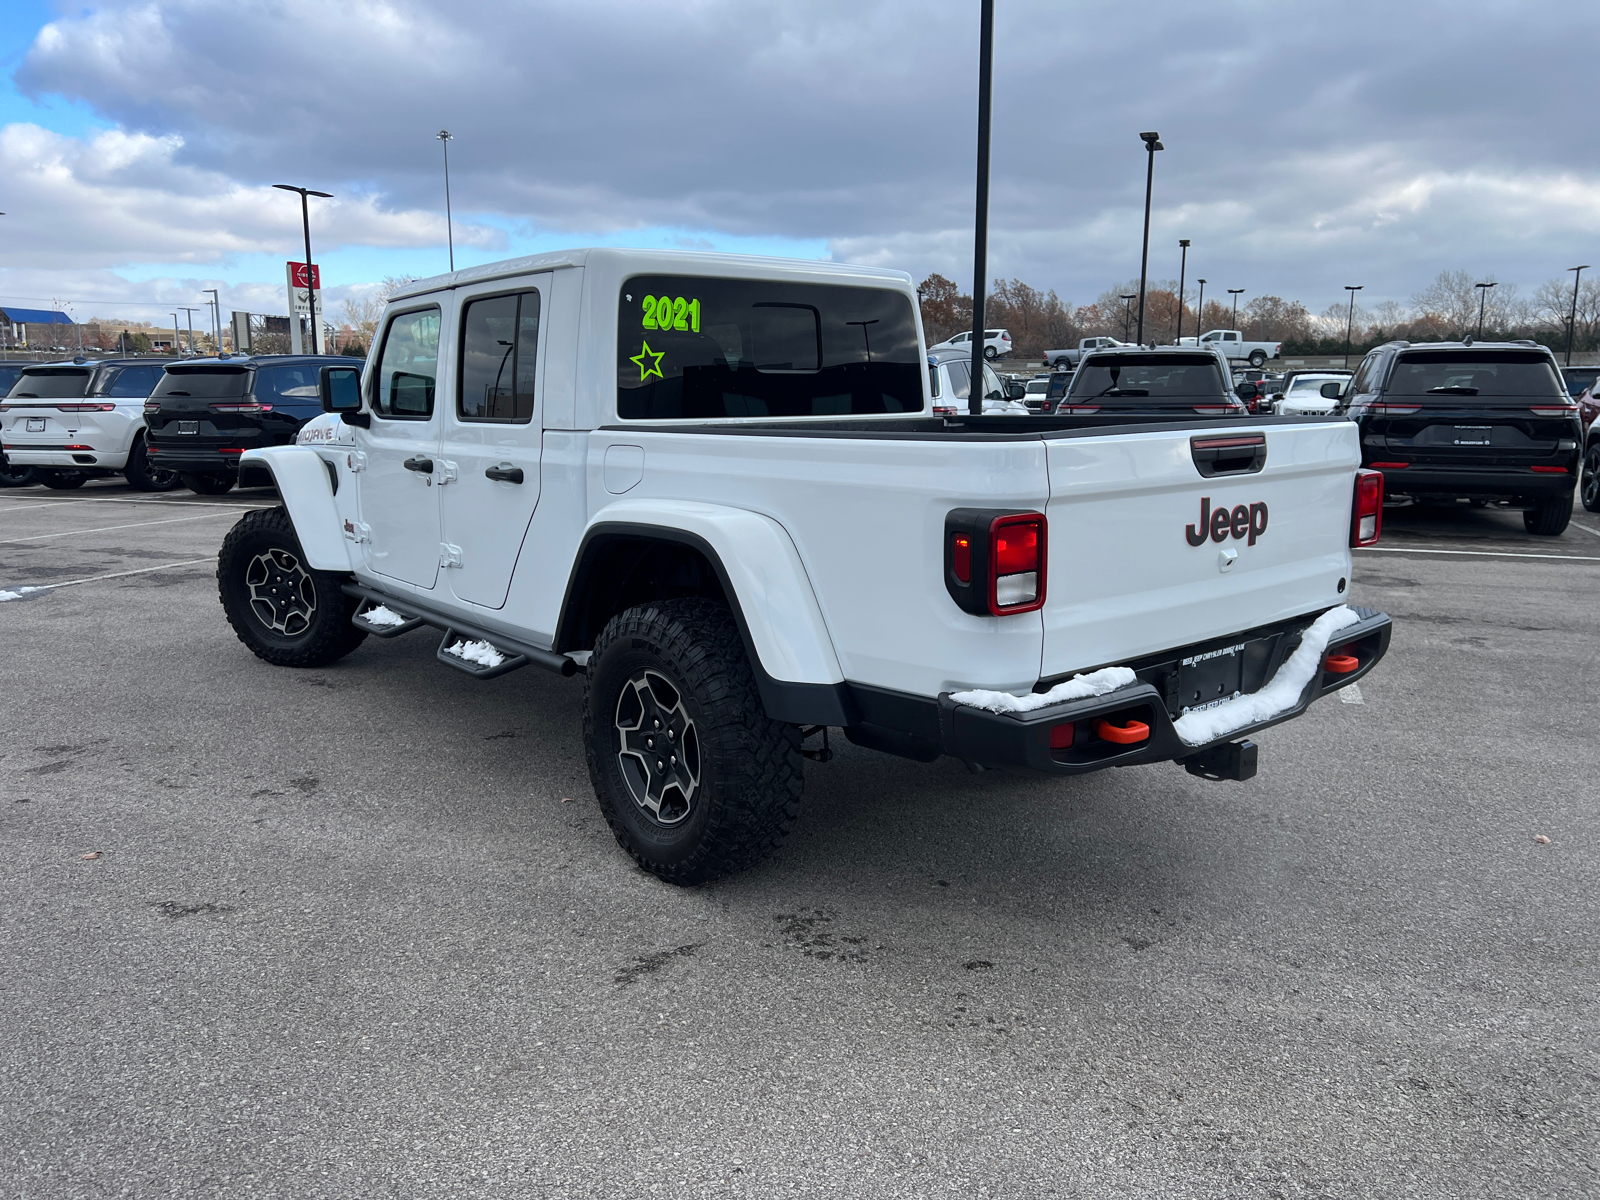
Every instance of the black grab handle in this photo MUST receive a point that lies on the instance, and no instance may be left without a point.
(425, 465)
(505, 474)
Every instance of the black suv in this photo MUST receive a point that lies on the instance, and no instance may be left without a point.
(1172, 383)
(1486, 421)
(206, 412)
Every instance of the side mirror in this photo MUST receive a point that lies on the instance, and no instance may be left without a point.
(1332, 390)
(340, 391)
(1015, 390)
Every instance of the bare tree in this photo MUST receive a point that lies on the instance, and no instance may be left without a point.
(1037, 321)
(945, 309)
(362, 313)
(1274, 319)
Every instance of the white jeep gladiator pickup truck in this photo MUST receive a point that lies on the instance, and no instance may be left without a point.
(715, 487)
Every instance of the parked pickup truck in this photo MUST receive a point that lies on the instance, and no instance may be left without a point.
(1071, 358)
(714, 487)
(1231, 342)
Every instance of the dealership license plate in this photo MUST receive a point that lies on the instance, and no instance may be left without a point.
(187, 427)
(35, 424)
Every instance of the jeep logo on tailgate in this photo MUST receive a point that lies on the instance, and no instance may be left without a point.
(1247, 521)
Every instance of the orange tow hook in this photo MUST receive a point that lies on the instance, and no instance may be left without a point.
(1125, 735)
(1341, 664)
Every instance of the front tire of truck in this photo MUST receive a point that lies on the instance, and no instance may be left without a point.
(289, 613)
(693, 777)
(1258, 359)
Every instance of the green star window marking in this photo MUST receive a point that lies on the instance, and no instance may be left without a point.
(655, 366)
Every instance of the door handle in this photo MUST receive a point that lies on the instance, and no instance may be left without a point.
(505, 473)
(425, 465)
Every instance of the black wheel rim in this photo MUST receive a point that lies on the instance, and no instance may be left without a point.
(282, 595)
(1591, 479)
(658, 748)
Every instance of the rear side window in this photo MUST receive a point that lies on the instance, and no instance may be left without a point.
(1149, 376)
(53, 383)
(132, 383)
(697, 347)
(499, 357)
(215, 383)
(287, 385)
(1462, 375)
(408, 368)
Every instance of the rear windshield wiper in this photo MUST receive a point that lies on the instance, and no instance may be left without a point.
(1456, 390)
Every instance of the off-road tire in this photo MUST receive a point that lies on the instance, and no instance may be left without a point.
(1258, 359)
(142, 477)
(258, 552)
(17, 476)
(62, 481)
(1549, 517)
(1589, 483)
(208, 485)
(751, 772)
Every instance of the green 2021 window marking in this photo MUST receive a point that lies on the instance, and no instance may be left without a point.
(672, 312)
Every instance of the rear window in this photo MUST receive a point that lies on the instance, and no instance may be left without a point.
(52, 383)
(208, 383)
(1150, 376)
(695, 347)
(1461, 375)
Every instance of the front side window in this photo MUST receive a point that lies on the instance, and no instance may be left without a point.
(408, 369)
(1460, 375)
(52, 383)
(708, 348)
(499, 354)
(1363, 376)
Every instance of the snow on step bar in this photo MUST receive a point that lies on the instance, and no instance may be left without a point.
(481, 653)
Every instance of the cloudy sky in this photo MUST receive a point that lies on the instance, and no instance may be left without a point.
(1308, 145)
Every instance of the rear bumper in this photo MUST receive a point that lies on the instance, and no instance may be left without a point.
(1021, 741)
(23, 455)
(1425, 479)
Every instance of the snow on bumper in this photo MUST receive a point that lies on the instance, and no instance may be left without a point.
(1058, 732)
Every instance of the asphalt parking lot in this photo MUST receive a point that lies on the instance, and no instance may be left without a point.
(361, 931)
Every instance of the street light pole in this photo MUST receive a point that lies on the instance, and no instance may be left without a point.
(1236, 293)
(1351, 320)
(215, 304)
(1200, 313)
(177, 336)
(311, 278)
(1483, 294)
(1183, 266)
(1572, 322)
(1152, 143)
(980, 235)
(1127, 313)
(190, 313)
(445, 137)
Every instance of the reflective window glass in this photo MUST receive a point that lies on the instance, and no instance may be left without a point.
(499, 358)
(408, 369)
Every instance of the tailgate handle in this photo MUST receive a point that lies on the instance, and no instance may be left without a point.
(1229, 454)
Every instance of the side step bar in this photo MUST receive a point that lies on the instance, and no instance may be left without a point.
(518, 654)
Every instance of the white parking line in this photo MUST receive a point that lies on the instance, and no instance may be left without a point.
(18, 592)
(1476, 553)
(107, 528)
(1585, 528)
(5, 507)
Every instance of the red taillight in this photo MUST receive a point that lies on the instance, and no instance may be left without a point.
(86, 407)
(944, 410)
(961, 557)
(1550, 470)
(1016, 563)
(1394, 410)
(241, 408)
(1387, 466)
(1554, 410)
(1061, 736)
(152, 407)
(77, 447)
(1366, 513)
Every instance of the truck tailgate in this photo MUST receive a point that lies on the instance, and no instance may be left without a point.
(1125, 577)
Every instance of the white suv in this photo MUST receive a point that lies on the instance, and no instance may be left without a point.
(996, 343)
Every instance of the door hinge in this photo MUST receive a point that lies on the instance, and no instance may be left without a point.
(357, 531)
(356, 460)
(447, 472)
(449, 556)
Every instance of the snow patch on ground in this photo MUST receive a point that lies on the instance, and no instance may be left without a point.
(1279, 696)
(482, 653)
(17, 593)
(382, 615)
(1079, 687)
